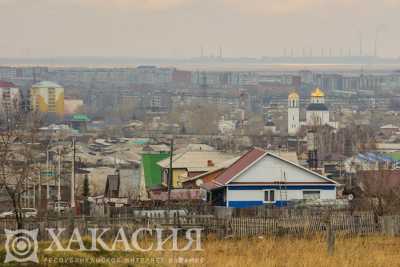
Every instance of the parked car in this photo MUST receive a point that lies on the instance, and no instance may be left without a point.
(7, 214)
(26, 212)
(61, 206)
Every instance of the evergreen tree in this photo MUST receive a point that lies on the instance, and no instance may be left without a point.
(86, 190)
(85, 194)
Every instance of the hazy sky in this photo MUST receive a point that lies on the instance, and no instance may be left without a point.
(178, 28)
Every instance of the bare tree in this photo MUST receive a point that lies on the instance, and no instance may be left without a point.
(18, 147)
(382, 188)
(199, 118)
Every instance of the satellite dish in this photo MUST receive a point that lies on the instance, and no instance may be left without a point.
(350, 197)
(199, 182)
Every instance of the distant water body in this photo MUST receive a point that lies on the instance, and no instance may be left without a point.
(211, 65)
(295, 67)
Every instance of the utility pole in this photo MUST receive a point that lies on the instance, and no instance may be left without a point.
(59, 175)
(34, 194)
(378, 30)
(47, 176)
(40, 190)
(26, 194)
(170, 177)
(73, 176)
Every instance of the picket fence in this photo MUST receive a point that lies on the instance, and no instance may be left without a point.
(360, 224)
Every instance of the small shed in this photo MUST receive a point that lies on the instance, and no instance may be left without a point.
(79, 122)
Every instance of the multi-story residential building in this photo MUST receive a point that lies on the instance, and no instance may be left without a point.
(181, 77)
(48, 97)
(10, 97)
(153, 75)
(306, 76)
(8, 73)
(356, 82)
(329, 81)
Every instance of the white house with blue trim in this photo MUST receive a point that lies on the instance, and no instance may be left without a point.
(260, 177)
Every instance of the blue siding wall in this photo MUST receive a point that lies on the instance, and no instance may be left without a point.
(247, 199)
(244, 204)
(249, 204)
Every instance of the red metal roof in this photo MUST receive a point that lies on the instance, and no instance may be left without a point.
(4, 84)
(210, 186)
(242, 163)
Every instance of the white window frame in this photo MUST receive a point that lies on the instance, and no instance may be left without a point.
(311, 190)
(269, 196)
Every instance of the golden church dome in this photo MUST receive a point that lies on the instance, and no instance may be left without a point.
(294, 95)
(317, 93)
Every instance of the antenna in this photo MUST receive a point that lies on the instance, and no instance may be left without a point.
(283, 188)
(72, 200)
(379, 29)
(361, 44)
(170, 175)
(376, 43)
(312, 149)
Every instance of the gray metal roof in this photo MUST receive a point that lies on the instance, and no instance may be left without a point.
(317, 107)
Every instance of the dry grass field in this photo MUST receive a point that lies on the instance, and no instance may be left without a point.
(357, 251)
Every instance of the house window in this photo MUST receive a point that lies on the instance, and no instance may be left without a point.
(311, 194)
(269, 196)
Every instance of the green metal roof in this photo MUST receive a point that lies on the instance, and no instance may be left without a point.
(394, 155)
(80, 117)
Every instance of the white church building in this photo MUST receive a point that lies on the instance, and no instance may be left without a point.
(317, 113)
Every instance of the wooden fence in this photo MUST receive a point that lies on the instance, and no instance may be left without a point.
(264, 211)
(360, 224)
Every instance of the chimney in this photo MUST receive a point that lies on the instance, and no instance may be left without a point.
(210, 163)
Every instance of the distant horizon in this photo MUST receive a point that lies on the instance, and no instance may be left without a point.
(273, 64)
